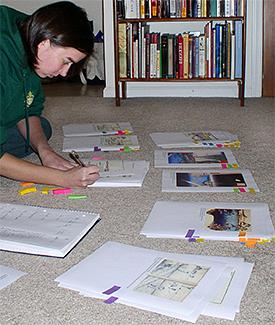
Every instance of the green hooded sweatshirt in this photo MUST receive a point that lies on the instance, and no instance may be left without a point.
(21, 89)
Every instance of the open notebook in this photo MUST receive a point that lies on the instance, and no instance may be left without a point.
(42, 231)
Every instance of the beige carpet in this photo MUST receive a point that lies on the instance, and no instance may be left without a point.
(36, 298)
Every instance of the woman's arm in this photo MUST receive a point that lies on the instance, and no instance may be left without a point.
(19, 169)
(55, 170)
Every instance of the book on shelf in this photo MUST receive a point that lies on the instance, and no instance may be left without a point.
(238, 48)
(209, 220)
(122, 49)
(214, 52)
(146, 9)
(42, 231)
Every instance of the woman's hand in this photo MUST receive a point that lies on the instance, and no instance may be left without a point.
(79, 177)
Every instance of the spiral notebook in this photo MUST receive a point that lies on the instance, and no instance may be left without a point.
(42, 231)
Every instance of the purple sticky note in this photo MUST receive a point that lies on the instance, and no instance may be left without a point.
(111, 300)
(111, 290)
(190, 233)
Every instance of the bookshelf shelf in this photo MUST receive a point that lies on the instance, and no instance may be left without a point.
(122, 80)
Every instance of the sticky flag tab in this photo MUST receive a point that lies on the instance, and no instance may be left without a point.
(45, 190)
(242, 190)
(77, 196)
(192, 240)
(236, 190)
(224, 166)
(127, 149)
(242, 234)
(190, 233)
(26, 184)
(111, 290)
(251, 190)
(199, 240)
(195, 142)
(111, 300)
(97, 157)
(62, 191)
(235, 166)
(27, 190)
(219, 145)
(229, 166)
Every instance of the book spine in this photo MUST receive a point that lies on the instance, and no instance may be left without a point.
(142, 9)
(147, 9)
(154, 8)
(164, 46)
(172, 8)
(165, 12)
(213, 8)
(190, 68)
(180, 56)
(130, 9)
(158, 55)
(239, 49)
(147, 55)
(120, 9)
(122, 49)
(183, 8)
(201, 56)
(185, 55)
(228, 50)
(170, 56)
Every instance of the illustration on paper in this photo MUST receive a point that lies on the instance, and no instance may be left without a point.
(210, 180)
(198, 158)
(171, 280)
(228, 220)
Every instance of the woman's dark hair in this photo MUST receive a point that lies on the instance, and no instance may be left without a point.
(64, 24)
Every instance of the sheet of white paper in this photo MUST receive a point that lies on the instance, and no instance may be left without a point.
(132, 176)
(101, 143)
(195, 158)
(208, 180)
(88, 129)
(209, 220)
(125, 266)
(8, 275)
(193, 139)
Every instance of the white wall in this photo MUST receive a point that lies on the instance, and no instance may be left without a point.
(93, 8)
(253, 85)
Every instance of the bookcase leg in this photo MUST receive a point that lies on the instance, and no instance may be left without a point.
(117, 94)
(123, 84)
(241, 93)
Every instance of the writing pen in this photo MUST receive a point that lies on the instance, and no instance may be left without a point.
(76, 158)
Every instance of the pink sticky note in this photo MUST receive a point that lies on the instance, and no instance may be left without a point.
(242, 189)
(97, 157)
(224, 166)
(62, 191)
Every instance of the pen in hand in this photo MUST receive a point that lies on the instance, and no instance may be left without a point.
(76, 158)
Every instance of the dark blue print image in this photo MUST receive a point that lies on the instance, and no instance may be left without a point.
(228, 220)
(199, 158)
(210, 180)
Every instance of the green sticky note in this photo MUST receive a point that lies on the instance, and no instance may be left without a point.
(76, 196)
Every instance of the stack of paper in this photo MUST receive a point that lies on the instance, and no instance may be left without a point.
(87, 129)
(119, 173)
(177, 285)
(195, 158)
(209, 220)
(195, 139)
(8, 275)
(232, 180)
(101, 143)
(42, 231)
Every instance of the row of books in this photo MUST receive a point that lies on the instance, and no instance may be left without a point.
(147, 9)
(214, 53)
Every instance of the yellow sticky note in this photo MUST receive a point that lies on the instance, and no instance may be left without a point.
(27, 190)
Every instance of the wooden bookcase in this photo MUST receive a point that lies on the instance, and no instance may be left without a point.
(180, 21)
